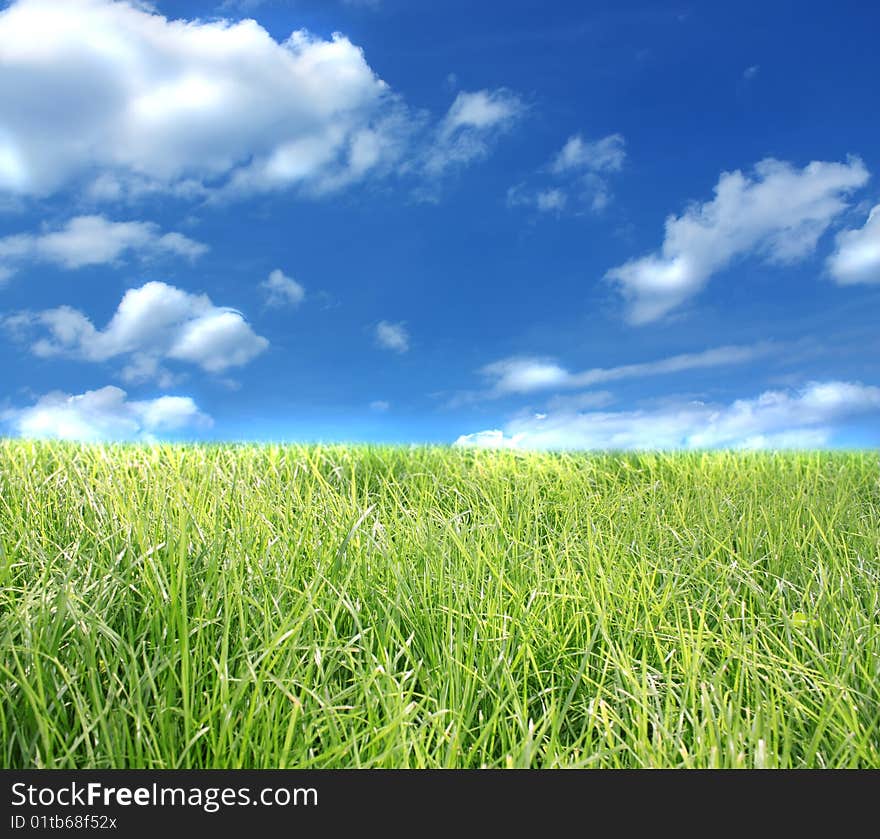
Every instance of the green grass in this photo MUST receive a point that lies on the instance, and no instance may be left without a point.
(271, 606)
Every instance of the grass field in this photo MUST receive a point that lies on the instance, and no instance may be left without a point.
(244, 606)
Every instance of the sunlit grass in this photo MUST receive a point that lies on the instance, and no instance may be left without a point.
(270, 606)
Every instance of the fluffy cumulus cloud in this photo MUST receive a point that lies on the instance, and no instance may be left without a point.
(775, 419)
(392, 336)
(577, 174)
(96, 85)
(471, 125)
(105, 414)
(93, 240)
(778, 214)
(111, 96)
(527, 374)
(856, 259)
(152, 324)
(281, 290)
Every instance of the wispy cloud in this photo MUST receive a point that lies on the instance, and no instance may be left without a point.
(588, 400)
(245, 6)
(281, 290)
(472, 124)
(93, 240)
(392, 336)
(774, 419)
(575, 178)
(778, 214)
(529, 374)
(578, 154)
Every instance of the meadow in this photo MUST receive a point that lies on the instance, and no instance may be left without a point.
(333, 606)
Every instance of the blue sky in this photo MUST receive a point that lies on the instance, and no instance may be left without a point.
(525, 224)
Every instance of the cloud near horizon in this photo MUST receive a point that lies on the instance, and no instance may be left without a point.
(105, 414)
(774, 419)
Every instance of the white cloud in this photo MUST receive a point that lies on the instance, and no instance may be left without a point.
(282, 290)
(474, 121)
(779, 215)
(526, 374)
(392, 336)
(806, 418)
(118, 100)
(380, 406)
(105, 414)
(147, 367)
(579, 176)
(481, 109)
(605, 155)
(551, 200)
(856, 258)
(596, 192)
(217, 340)
(93, 240)
(152, 323)
(491, 439)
